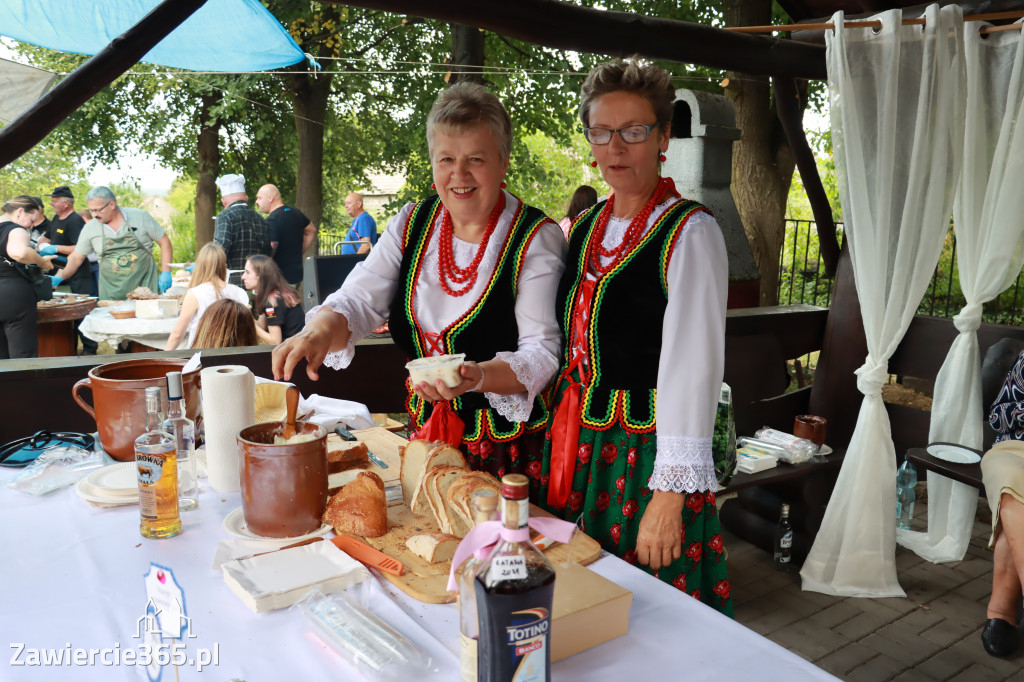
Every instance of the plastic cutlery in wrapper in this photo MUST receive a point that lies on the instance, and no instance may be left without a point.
(367, 643)
(55, 469)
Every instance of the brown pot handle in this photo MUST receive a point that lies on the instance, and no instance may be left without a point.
(79, 385)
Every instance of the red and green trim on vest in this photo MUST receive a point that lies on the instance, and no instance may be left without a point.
(481, 332)
(626, 315)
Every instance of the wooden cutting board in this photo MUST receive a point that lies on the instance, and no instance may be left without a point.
(428, 582)
(380, 442)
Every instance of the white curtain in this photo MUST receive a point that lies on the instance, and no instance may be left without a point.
(989, 218)
(897, 121)
(22, 86)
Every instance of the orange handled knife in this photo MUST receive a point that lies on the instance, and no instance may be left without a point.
(360, 551)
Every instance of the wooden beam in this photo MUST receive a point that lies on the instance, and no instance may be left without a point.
(786, 105)
(100, 71)
(565, 26)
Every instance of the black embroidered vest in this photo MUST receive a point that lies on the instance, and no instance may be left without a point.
(627, 314)
(486, 328)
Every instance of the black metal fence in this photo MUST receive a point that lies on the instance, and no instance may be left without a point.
(802, 279)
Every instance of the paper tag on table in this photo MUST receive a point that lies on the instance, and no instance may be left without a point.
(507, 568)
(166, 600)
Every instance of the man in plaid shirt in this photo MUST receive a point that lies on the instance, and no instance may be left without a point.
(239, 229)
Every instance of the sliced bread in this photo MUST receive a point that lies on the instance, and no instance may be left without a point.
(414, 458)
(437, 486)
(459, 499)
(444, 454)
(433, 547)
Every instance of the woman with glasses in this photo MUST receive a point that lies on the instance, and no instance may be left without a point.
(471, 270)
(18, 312)
(642, 307)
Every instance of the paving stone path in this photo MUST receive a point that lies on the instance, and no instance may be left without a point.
(932, 634)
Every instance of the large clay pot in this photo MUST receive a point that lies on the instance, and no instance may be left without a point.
(284, 487)
(119, 397)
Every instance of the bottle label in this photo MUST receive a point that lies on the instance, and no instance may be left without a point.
(467, 660)
(778, 437)
(507, 568)
(787, 540)
(527, 639)
(150, 468)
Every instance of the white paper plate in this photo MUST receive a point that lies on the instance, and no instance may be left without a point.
(825, 450)
(117, 479)
(234, 523)
(96, 496)
(953, 453)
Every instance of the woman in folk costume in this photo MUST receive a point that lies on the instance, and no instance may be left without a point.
(472, 270)
(642, 305)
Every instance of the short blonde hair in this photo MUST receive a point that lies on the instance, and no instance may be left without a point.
(630, 75)
(467, 104)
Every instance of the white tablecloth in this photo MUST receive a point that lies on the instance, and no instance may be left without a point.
(98, 325)
(72, 578)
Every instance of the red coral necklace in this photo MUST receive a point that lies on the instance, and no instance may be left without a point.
(665, 188)
(447, 269)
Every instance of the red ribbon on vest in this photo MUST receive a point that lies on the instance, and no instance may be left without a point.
(565, 427)
(443, 425)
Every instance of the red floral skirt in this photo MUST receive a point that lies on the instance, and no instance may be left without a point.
(609, 496)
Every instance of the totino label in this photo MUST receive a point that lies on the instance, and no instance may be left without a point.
(527, 638)
(507, 568)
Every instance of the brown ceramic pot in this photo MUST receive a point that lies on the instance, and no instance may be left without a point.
(284, 487)
(119, 398)
(810, 427)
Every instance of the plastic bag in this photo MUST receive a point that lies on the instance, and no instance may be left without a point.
(367, 643)
(55, 469)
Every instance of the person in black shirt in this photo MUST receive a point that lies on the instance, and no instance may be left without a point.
(66, 225)
(42, 230)
(291, 233)
(277, 304)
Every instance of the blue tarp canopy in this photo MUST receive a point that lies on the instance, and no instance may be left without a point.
(222, 35)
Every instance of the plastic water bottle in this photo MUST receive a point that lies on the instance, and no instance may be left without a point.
(906, 479)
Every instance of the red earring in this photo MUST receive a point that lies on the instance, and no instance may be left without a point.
(503, 185)
(594, 163)
(433, 186)
(661, 157)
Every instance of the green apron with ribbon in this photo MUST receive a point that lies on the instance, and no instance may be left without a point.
(126, 265)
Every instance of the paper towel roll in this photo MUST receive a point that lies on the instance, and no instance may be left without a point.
(228, 407)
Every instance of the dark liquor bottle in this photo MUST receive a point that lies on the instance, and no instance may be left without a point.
(783, 541)
(514, 589)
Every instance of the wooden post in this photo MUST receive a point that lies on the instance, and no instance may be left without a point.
(46, 114)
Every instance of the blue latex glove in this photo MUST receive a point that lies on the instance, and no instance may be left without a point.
(55, 280)
(164, 282)
(190, 267)
(47, 250)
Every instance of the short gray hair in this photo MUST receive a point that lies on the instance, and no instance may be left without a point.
(102, 193)
(467, 104)
(650, 81)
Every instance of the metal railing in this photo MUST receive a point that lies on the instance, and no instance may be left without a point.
(802, 279)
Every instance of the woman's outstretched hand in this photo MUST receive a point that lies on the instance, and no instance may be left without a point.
(659, 539)
(325, 331)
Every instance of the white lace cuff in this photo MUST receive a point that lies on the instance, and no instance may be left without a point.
(359, 325)
(683, 465)
(534, 371)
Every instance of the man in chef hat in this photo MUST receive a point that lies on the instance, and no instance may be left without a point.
(239, 229)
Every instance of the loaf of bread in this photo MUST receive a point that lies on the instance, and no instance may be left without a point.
(347, 455)
(433, 547)
(442, 455)
(459, 499)
(360, 507)
(414, 459)
(437, 485)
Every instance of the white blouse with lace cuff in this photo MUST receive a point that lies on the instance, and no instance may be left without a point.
(365, 299)
(692, 360)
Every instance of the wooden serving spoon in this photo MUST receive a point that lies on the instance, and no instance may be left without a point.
(292, 402)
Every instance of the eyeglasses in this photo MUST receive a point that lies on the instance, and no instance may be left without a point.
(101, 208)
(633, 134)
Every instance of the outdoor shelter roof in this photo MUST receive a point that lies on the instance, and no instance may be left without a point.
(222, 35)
(803, 10)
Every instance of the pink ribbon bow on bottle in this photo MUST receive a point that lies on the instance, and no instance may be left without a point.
(484, 536)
